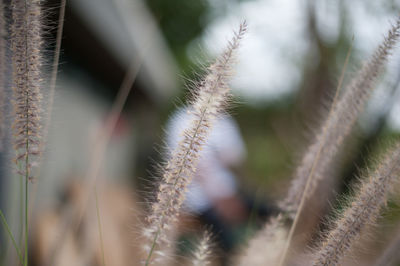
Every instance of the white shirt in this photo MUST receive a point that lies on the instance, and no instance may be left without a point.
(224, 147)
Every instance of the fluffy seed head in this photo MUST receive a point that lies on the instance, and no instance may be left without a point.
(26, 44)
(202, 254)
(321, 153)
(209, 100)
(364, 210)
(2, 73)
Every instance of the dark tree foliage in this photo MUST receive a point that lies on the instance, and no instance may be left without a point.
(181, 22)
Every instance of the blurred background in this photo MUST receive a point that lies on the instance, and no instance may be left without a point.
(287, 72)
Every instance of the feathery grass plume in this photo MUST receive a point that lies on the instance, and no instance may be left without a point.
(2, 73)
(316, 205)
(321, 154)
(203, 253)
(364, 210)
(266, 246)
(26, 44)
(210, 98)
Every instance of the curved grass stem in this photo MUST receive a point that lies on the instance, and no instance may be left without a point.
(99, 226)
(306, 190)
(10, 234)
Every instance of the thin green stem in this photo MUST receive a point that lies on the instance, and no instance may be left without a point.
(21, 206)
(26, 220)
(26, 200)
(99, 225)
(27, 145)
(182, 166)
(152, 247)
(10, 234)
(310, 177)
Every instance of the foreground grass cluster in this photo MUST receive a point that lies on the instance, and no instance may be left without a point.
(283, 239)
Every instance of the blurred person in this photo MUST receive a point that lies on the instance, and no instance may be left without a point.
(213, 195)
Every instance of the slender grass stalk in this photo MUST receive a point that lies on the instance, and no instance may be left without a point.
(26, 42)
(315, 162)
(26, 210)
(339, 123)
(321, 154)
(2, 75)
(101, 144)
(209, 100)
(99, 226)
(21, 208)
(10, 234)
(52, 88)
(100, 147)
(364, 209)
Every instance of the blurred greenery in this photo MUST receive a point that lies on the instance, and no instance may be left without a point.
(276, 133)
(181, 22)
(273, 134)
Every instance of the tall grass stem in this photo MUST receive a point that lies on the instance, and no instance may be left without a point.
(309, 178)
(10, 234)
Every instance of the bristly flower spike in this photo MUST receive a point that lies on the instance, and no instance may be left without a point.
(2, 74)
(26, 48)
(320, 155)
(26, 45)
(203, 253)
(209, 100)
(364, 210)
